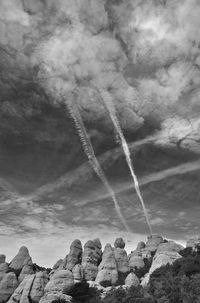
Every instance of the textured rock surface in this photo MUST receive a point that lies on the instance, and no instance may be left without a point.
(27, 289)
(121, 260)
(31, 288)
(119, 243)
(21, 259)
(17, 294)
(74, 256)
(91, 258)
(132, 280)
(169, 246)
(7, 286)
(26, 270)
(166, 253)
(57, 264)
(107, 271)
(140, 246)
(78, 272)
(61, 281)
(153, 242)
(39, 283)
(135, 261)
(2, 258)
(3, 267)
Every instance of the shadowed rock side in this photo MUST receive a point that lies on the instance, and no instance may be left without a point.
(101, 270)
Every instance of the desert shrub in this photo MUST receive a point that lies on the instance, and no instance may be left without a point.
(59, 301)
(130, 295)
(105, 283)
(121, 278)
(168, 283)
(40, 268)
(82, 293)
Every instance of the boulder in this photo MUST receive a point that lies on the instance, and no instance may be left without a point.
(61, 281)
(39, 283)
(2, 258)
(153, 242)
(21, 259)
(50, 297)
(75, 254)
(119, 243)
(107, 271)
(26, 270)
(91, 258)
(121, 260)
(141, 245)
(3, 267)
(7, 286)
(78, 272)
(132, 280)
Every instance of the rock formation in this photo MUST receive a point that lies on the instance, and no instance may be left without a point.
(74, 256)
(91, 258)
(153, 242)
(166, 253)
(20, 284)
(2, 258)
(21, 259)
(132, 280)
(32, 287)
(61, 281)
(7, 286)
(119, 243)
(135, 261)
(26, 270)
(4, 267)
(78, 272)
(107, 272)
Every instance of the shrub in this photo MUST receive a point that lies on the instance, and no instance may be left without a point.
(82, 293)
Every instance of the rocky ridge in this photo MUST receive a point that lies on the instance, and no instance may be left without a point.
(21, 281)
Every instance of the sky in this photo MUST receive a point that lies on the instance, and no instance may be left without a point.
(63, 65)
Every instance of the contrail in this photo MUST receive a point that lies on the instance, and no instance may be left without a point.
(154, 177)
(111, 109)
(105, 160)
(88, 148)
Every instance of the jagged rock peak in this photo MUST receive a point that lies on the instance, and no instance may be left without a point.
(74, 256)
(21, 259)
(91, 258)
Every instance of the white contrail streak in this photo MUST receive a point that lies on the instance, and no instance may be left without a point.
(88, 148)
(151, 178)
(111, 109)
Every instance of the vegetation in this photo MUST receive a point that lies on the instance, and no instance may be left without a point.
(176, 283)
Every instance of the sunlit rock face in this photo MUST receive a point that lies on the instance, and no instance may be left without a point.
(147, 57)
